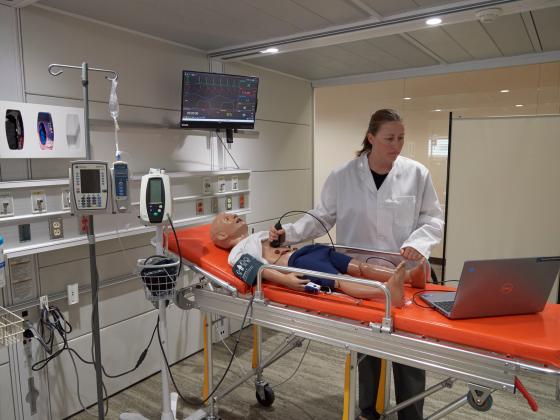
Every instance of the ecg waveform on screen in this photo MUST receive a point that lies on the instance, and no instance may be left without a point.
(219, 97)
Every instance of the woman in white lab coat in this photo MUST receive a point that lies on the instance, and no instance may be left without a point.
(381, 201)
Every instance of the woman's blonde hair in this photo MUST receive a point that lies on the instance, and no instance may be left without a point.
(379, 118)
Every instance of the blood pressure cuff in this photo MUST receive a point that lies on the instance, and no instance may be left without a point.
(246, 268)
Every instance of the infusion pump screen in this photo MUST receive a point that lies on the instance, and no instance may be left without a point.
(155, 190)
(90, 181)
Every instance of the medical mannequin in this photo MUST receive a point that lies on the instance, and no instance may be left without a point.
(382, 201)
(229, 231)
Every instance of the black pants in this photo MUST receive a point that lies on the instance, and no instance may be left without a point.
(409, 381)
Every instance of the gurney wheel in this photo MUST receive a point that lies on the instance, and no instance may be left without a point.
(484, 406)
(268, 396)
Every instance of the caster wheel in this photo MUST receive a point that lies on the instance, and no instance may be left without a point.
(268, 396)
(485, 406)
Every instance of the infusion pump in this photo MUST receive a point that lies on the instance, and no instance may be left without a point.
(90, 187)
(155, 198)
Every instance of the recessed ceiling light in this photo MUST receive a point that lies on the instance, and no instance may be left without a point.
(504, 91)
(519, 105)
(271, 50)
(433, 21)
(406, 98)
(437, 110)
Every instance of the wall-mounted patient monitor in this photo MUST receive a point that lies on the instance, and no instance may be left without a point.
(155, 197)
(120, 187)
(90, 187)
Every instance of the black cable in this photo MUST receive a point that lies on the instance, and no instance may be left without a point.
(177, 243)
(186, 400)
(249, 305)
(431, 291)
(218, 134)
(140, 359)
(312, 215)
(384, 259)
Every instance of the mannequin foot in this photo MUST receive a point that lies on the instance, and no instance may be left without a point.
(417, 276)
(396, 286)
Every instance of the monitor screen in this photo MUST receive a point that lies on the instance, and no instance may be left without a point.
(214, 100)
(155, 190)
(90, 181)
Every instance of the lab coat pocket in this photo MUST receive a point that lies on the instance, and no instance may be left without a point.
(405, 209)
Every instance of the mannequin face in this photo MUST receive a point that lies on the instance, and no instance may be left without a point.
(388, 142)
(227, 230)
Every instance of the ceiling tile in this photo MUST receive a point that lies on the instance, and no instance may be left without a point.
(391, 7)
(510, 35)
(403, 50)
(474, 39)
(336, 11)
(547, 22)
(439, 42)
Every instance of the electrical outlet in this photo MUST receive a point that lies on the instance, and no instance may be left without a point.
(221, 327)
(242, 201)
(24, 232)
(73, 293)
(38, 201)
(56, 228)
(206, 185)
(6, 205)
(44, 302)
(83, 225)
(234, 183)
(65, 200)
(221, 184)
(199, 207)
(229, 202)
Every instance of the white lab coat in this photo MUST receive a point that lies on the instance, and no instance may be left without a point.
(404, 212)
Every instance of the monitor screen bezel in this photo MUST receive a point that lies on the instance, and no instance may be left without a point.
(223, 124)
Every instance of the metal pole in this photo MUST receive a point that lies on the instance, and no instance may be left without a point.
(93, 263)
(352, 387)
(212, 415)
(388, 376)
(166, 413)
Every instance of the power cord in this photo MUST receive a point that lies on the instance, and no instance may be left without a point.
(383, 259)
(226, 149)
(296, 369)
(197, 403)
(431, 291)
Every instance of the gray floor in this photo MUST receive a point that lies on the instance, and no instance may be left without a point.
(315, 392)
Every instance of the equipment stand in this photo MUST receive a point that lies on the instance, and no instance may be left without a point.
(94, 275)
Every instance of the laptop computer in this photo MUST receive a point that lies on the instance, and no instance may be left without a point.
(498, 287)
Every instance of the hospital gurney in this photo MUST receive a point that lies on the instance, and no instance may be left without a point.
(489, 354)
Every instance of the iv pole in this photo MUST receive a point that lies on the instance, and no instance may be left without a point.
(94, 275)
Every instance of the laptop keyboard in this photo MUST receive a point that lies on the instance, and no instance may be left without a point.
(446, 306)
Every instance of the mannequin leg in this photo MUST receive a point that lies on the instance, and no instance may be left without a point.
(395, 283)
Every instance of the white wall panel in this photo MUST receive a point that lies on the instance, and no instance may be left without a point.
(281, 98)
(149, 70)
(508, 206)
(276, 192)
(10, 82)
(278, 146)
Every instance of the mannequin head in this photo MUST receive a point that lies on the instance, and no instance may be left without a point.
(227, 230)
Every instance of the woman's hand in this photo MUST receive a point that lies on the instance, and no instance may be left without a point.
(274, 234)
(294, 282)
(410, 253)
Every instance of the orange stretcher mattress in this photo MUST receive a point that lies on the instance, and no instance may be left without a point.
(533, 337)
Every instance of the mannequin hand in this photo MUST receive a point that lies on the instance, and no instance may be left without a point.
(410, 253)
(274, 234)
(295, 282)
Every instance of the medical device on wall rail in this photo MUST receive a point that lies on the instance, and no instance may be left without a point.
(120, 179)
(90, 187)
(155, 197)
